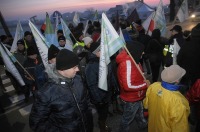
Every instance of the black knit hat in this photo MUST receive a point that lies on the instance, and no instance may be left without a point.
(31, 51)
(21, 41)
(52, 52)
(60, 31)
(195, 31)
(61, 38)
(136, 49)
(27, 33)
(66, 59)
(94, 47)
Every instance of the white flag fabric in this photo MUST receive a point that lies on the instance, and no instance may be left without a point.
(66, 32)
(18, 35)
(146, 23)
(110, 44)
(76, 19)
(41, 44)
(183, 11)
(86, 28)
(176, 49)
(158, 20)
(9, 60)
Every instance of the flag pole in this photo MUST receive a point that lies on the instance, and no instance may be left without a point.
(18, 64)
(134, 62)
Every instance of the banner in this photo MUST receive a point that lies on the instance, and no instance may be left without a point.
(19, 34)
(50, 36)
(41, 44)
(66, 32)
(183, 11)
(110, 44)
(158, 20)
(9, 61)
(76, 19)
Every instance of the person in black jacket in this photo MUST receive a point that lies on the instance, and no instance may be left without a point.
(62, 104)
(154, 53)
(188, 58)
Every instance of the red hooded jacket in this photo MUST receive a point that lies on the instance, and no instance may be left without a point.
(132, 85)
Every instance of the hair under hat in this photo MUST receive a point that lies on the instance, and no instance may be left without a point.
(66, 59)
(52, 52)
(172, 74)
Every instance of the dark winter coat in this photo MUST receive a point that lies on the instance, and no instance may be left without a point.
(189, 59)
(61, 105)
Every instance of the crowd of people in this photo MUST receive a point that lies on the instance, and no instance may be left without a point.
(66, 92)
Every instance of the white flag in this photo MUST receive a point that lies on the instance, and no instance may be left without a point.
(146, 23)
(76, 19)
(41, 44)
(176, 49)
(110, 44)
(158, 20)
(9, 60)
(66, 32)
(86, 28)
(18, 35)
(183, 11)
(121, 35)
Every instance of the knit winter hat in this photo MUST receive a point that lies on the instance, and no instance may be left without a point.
(66, 59)
(61, 38)
(196, 31)
(52, 52)
(21, 41)
(87, 40)
(27, 33)
(31, 51)
(172, 74)
(136, 49)
(94, 47)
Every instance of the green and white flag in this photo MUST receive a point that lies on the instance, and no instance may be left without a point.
(41, 44)
(183, 11)
(18, 35)
(110, 44)
(66, 31)
(9, 61)
(50, 36)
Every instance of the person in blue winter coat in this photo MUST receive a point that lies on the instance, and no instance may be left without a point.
(62, 104)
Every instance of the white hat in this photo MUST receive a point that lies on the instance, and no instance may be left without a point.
(87, 40)
(172, 74)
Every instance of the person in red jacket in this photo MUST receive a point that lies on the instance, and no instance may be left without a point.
(193, 96)
(132, 86)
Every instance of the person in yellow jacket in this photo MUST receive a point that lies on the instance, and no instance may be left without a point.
(168, 108)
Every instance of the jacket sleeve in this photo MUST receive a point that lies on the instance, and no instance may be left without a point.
(179, 116)
(39, 114)
(129, 76)
(193, 95)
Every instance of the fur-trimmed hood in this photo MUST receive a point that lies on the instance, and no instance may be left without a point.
(54, 76)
